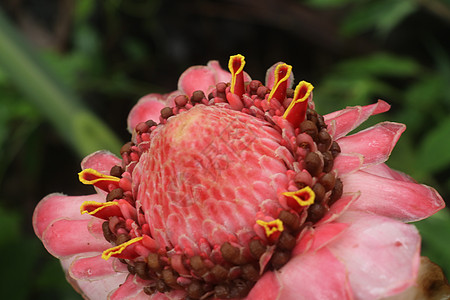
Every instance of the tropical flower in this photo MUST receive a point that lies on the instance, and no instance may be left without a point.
(234, 189)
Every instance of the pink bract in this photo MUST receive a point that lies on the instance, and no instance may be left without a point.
(225, 169)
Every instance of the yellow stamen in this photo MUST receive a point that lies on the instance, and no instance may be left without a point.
(282, 73)
(97, 208)
(102, 181)
(301, 94)
(271, 227)
(119, 249)
(236, 66)
(304, 197)
(91, 176)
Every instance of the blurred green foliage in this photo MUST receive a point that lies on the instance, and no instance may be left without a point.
(116, 51)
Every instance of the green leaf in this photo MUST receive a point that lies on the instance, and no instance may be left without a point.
(380, 64)
(425, 94)
(434, 151)
(403, 158)
(51, 282)
(381, 15)
(326, 4)
(84, 9)
(91, 135)
(442, 59)
(338, 91)
(9, 226)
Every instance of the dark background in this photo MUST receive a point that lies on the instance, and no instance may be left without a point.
(110, 53)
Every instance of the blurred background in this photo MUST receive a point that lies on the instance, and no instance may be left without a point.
(70, 71)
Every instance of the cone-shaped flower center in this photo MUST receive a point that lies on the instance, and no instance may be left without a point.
(207, 174)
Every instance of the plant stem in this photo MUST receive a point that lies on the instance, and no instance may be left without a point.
(79, 127)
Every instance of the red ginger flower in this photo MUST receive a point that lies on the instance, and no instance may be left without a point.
(246, 193)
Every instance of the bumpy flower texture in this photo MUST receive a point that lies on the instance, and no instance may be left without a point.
(231, 189)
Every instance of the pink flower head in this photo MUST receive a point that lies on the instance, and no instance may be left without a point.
(235, 189)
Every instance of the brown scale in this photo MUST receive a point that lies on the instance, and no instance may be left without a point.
(196, 263)
(316, 212)
(169, 276)
(122, 238)
(336, 194)
(149, 290)
(220, 90)
(328, 161)
(319, 191)
(309, 128)
(232, 254)
(166, 112)
(236, 275)
(290, 220)
(126, 147)
(107, 233)
(116, 171)
(239, 288)
(161, 286)
(114, 194)
(195, 290)
(151, 123)
(321, 167)
(280, 258)
(313, 164)
(325, 140)
(142, 127)
(257, 248)
(286, 241)
(197, 97)
(328, 181)
(335, 149)
(154, 262)
(142, 269)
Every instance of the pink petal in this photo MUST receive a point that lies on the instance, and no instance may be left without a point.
(339, 208)
(403, 200)
(267, 288)
(148, 108)
(204, 78)
(384, 171)
(101, 161)
(57, 206)
(220, 75)
(270, 76)
(197, 78)
(348, 162)
(381, 255)
(316, 238)
(375, 143)
(92, 287)
(126, 290)
(313, 276)
(67, 237)
(351, 117)
(95, 267)
(101, 288)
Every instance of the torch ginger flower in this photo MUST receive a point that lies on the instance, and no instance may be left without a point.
(235, 189)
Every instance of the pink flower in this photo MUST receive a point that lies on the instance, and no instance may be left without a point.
(246, 192)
